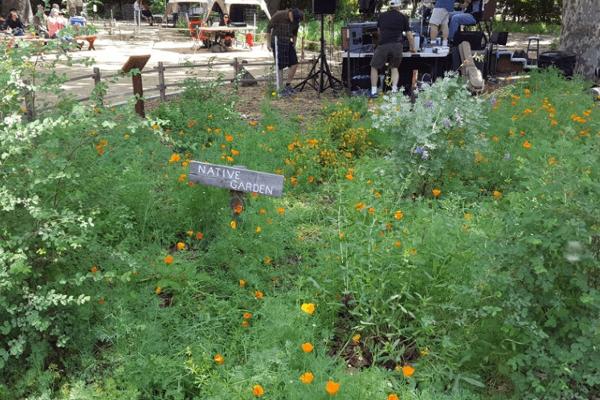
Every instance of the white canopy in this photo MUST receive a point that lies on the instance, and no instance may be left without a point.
(189, 1)
(226, 5)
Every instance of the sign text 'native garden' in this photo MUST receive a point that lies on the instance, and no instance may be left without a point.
(236, 178)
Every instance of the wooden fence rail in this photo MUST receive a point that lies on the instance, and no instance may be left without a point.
(161, 69)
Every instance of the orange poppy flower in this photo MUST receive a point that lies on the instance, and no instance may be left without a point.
(356, 338)
(407, 371)
(258, 391)
(158, 290)
(332, 387)
(527, 145)
(270, 128)
(393, 396)
(101, 300)
(307, 347)
(436, 193)
(238, 209)
(307, 378)
(259, 294)
(359, 206)
(247, 315)
(308, 308)
(281, 210)
(398, 215)
(94, 269)
(169, 259)
(245, 324)
(199, 235)
(229, 138)
(349, 176)
(267, 260)
(174, 158)
(219, 359)
(497, 194)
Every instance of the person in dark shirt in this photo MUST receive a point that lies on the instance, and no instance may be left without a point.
(14, 24)
(391, 24)
(284, 26)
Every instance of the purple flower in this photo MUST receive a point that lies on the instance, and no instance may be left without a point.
(446, 123)
(429, 104)
(419, 150)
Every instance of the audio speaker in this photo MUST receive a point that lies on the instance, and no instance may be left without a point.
(323, 6)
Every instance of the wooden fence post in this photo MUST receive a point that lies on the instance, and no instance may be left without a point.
(137, 62)
(29, 101)
(97, 79)
(236, 68)
(162, 88)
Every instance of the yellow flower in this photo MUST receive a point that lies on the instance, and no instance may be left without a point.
(169, 259)
(413, 252)
(219, 359)
(407, 371)
(259, 295)
(436, 192)
(552, 161)
(308, 308)
(398, 215)
(253, 123)
(497, 194)
(332, 387)
(174, 158)
(294, 181)
(180, 246)
(356, 338)
(468, 216)
(190, 233)
(258, 229)
(270, 128)
(307, 347)
(233, 224)
(307, 378)
(242, 283)
(495, 139)
(158, 290)
(262, 211)
(258, 391)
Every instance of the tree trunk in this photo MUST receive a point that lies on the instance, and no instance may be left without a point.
(580, 35)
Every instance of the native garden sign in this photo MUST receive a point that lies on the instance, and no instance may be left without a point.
(236, 178)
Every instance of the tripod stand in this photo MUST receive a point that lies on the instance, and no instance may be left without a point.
(320, 70)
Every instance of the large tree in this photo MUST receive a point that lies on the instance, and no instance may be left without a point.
(580, 35)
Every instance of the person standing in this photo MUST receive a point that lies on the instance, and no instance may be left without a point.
(284, 26)
(137, 12)
(390, 24)
(440, 17)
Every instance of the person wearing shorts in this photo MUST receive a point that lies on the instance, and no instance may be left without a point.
(390, 24)
(284, 26)
(440, 19)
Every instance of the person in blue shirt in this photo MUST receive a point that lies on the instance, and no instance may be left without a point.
(471, 13)
(440, 18)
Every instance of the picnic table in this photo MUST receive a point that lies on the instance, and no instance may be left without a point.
(211, 35)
